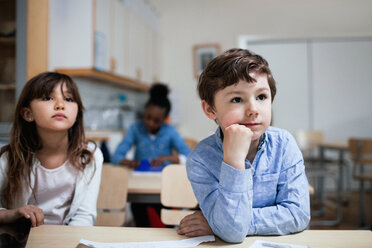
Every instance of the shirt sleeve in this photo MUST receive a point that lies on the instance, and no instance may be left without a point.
(225, 203)
(124, 146)
(87, 211)
(180, 144)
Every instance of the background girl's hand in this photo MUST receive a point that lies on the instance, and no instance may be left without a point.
(31, 212)
(194, 225)
(236, 143)
(130, 163)
(161, 159)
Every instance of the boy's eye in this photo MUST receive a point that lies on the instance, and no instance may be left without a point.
(261, 97)
(47, 98)
(236, 100)
(69, 99)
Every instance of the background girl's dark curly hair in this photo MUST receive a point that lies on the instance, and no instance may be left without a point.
(159, 97)
(24, 140)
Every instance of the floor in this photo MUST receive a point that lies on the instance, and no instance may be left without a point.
(350, 210)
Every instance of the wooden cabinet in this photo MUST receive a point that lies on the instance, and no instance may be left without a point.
(103, 37)
(7, 60)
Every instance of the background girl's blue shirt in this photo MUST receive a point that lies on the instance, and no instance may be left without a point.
(269, 197)
(165, 141)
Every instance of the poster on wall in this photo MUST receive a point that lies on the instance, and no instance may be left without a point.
(202, 55)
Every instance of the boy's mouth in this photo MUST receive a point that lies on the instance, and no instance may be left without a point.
(251, 124)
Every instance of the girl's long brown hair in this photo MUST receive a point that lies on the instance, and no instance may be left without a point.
(24, 140)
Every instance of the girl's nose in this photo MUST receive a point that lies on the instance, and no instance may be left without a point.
(59, 105)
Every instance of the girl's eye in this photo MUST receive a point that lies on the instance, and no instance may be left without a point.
(236, 100)
(47, 98)
(261, 97)
(69, 99)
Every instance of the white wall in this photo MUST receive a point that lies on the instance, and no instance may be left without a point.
(186, 23)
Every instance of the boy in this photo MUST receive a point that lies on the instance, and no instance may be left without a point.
(249, 178)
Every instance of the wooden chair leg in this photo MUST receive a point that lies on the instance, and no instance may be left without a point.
(362, 204)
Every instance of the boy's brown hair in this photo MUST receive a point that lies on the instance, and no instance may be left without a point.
(228, 69)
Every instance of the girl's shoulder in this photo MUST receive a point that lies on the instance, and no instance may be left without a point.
(3, 161)
(97, 153)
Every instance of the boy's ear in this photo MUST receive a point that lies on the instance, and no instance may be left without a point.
(208, 110)
(27, 115)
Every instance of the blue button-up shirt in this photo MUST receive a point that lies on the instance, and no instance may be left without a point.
(269, 197)
(165, 141)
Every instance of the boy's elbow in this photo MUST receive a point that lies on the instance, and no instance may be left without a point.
(231, 234)
(233, 237)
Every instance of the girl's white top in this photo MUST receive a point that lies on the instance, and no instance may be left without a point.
(54, 190)
(66, 196)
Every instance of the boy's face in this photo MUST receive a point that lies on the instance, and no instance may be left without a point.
(247, 104)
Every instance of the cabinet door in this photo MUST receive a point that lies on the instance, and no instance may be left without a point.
(103, 35)
(71, 34)
(119, 53)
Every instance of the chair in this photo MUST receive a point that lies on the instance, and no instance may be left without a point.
(309, 141)
(176, 193)
(191, 142)
(112, 196)
(361, 156)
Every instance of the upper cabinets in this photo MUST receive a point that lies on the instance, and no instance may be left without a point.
(103, 38)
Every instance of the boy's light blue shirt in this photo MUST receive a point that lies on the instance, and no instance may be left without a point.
(269, 197)
(166, 140)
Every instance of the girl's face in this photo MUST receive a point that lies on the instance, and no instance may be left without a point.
(153, 118)
(56, 112)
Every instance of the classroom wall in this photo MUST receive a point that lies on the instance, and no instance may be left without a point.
(187, 23)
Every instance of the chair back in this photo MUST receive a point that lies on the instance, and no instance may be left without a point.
(191, 142)
(176, 193)
(112, 196)
(309, 139)
(360, 150)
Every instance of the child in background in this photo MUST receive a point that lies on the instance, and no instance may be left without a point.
(249, 178)
(154, 141)
(48, 173)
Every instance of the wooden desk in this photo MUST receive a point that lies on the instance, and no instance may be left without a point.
(69, 236)
(144, 187)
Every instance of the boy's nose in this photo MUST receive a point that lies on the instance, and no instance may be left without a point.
(251, 109)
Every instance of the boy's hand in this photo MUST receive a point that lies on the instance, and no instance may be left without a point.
(194, 225)
(236, 143)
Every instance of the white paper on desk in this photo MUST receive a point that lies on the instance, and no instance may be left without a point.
(268, 244)
(191, 242)
(147, 173)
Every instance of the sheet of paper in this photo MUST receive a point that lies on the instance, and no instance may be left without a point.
(191, 242)
(268, 244)
(147, 173)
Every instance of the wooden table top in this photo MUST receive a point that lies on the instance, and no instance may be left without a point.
(69, 236)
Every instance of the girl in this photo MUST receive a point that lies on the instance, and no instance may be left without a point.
(48, 174)
(154, 140)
